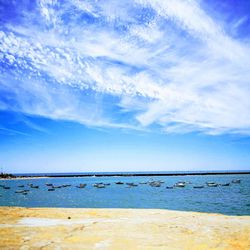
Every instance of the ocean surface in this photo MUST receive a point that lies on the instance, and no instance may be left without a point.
(231, 200)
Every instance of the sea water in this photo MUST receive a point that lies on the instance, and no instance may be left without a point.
(231, 200)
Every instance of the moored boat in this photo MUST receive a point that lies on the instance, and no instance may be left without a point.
(119, 183)
(100, 185)
(155, 184)
(180, 184)
(212, 184)
(236, 181)
(82, 185)
(20, 191)
(131, 184)
(225, 184)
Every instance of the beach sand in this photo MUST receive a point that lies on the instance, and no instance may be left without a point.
(62, 228)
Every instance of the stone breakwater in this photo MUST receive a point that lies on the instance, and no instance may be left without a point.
(61, 228)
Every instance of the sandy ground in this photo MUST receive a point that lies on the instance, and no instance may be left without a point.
(59, 228)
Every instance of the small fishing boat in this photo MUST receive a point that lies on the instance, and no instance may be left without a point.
(155, 184)
(6, 187)
(82, 185)
(131, 184)
(32, 186)
(225, 184)
(66, 185)
(20, 191)
(236, 181)
(169, 187)
(143, 183)
(97, 184)
(180, 184)
(119, 183)
(49, 184)
(100, 186)
(21, 186)
(199, 186)
(212, 184)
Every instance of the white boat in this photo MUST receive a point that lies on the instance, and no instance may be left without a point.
(180, 184)
(212, 184)
(236, 181)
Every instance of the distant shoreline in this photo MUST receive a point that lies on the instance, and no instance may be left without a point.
(33, 176)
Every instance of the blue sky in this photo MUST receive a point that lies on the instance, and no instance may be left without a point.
(111, 85)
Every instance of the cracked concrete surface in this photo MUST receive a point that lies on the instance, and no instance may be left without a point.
(61, 228)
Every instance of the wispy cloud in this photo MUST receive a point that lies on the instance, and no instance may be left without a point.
(126, 64)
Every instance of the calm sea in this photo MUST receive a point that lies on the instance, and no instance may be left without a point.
(232, 200)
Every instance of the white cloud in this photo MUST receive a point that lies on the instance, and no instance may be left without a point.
(175, 67)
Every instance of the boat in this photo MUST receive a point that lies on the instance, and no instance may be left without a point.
(225, 184)
(34, 186)
(49, 184)
(100, 186)
(131, 184)
(212, 184)
(236, 181)
(82, 185)
(169, 187)
(97, 184)
(6, 187)
(20, 191)
(119, 183)
(155, 184)
(21, 186)
(199, 186)
(180, 184)
(51, 189)
(66, 185)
